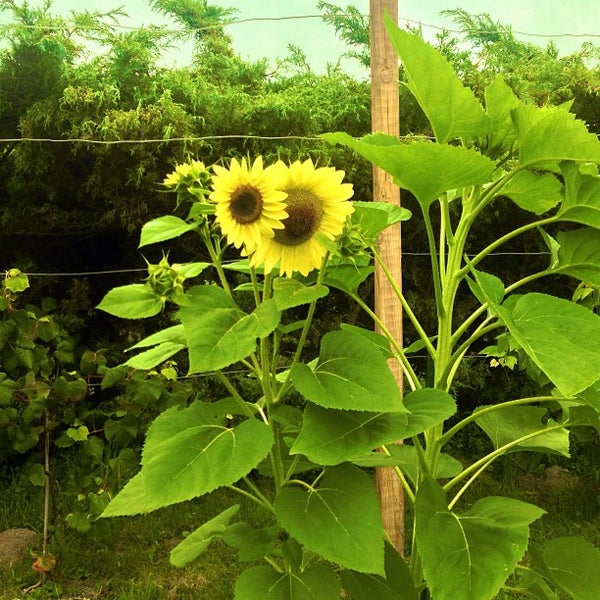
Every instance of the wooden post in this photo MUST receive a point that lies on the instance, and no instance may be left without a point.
(385, 117)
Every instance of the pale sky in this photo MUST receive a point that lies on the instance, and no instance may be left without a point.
(254, 40)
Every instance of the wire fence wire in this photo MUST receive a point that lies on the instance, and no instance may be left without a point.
(233, 22)
(140, 270)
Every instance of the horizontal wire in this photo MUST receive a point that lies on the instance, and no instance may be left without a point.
(292, 18)
(124, 271)
(163, 140)
(233, 136)
(234, 372)
(85, 274)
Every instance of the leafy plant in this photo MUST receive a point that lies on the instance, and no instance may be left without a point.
(323, 529)
(39, 393)
(53, 407)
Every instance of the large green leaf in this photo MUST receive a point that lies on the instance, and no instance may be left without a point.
(533, 192)
(212, 341)
(155, 356)
(218, 334)
(579, 255)
(469, 556)
(551, 134)
(452, 109)
(561, 337)
(347, 276)
(500, 100)
(204, 298)
(582, 197)
(573, 564)
(397, 585)
(339, 519)
(164, 228)
(508, 424)
(162, 345)
(351, 374)
(187, 455)
(427, 170)
(198, 541)
(372, 336)
(134, 301)
(426, 408)
(330, 437)
(373, 217)
(289, 293)
(317, 582)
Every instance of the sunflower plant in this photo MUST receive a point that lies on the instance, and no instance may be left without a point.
(303, 447)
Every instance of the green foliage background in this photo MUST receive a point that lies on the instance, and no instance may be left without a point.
(77, 206)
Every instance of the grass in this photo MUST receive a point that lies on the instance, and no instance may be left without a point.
(127, 558)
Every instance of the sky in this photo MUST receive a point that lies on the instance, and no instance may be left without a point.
(254, 40)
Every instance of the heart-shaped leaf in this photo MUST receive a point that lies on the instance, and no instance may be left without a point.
(187, 455)
(220, 334)
(317, 582)
(573, 564)
(134, 301)
(330, 437)
(561, 337)
(533, 192)
(452, 108)
(551, 134)
(352, 373)
(469, 556)
(339, 519)
(427, 170)
(426, 408)
(582, 197)
(164, 228)
(508, 424)
(579, 255)
(291, 292)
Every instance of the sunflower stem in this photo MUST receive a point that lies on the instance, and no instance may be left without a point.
(405, 305)
(409, 373)
(255, 286)
(234, 393)
(215, 257)
(303, 335)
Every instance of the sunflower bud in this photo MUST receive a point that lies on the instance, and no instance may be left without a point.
(187, 179)
(165, 280)
(352, 243)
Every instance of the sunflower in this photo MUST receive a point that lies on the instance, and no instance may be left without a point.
(249, 202)
(317, 208)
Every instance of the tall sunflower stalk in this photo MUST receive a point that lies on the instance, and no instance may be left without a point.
(292, 232)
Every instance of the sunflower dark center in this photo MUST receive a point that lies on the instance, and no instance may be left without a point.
(246, 204)
(305, 212)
